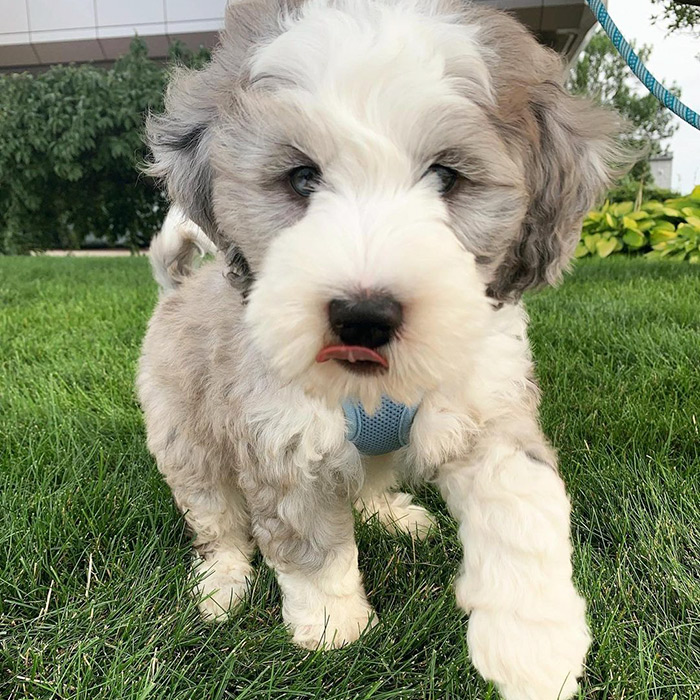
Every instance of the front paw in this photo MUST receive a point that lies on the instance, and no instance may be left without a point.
(397, 513)
(335, 622)
(221, 583)
(529, 659)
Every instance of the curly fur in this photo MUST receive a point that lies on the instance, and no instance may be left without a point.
(247, 428)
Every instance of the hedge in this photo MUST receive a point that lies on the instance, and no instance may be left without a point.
(71, 140)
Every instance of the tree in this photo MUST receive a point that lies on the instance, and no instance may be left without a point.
(601, 73)
(71, 141)
(679, 15)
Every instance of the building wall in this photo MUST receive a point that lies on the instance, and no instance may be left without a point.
(36, 33)
(40, 32)
(662, 171)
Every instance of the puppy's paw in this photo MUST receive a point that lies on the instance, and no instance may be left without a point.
(527, 659)
(341, 621)
(397, 513)
(336, 630)
(221, 584)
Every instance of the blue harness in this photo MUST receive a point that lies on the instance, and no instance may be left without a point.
(387, 430)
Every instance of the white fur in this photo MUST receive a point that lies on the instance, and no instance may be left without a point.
(397, 512)
(328, 608)
(393, 509)
(221, 583)
(305, 267)
(527, 626)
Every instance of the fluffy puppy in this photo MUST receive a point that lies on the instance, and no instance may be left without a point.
(384, 179)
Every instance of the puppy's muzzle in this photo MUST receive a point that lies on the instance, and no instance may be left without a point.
(362, 325)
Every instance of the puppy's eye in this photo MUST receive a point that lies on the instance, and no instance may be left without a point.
(445, 177)
(305, 180)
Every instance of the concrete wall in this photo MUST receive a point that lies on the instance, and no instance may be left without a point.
(662, 171)
(36, 33)
(40, 32)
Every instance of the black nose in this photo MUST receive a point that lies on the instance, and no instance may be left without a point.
(369, 321)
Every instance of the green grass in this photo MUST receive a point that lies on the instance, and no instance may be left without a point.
(93, 555)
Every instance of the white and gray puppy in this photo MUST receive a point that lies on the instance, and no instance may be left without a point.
(384, 179)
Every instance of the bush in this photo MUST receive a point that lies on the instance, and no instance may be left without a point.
(71, 140)
(668, 229)
(629, 189)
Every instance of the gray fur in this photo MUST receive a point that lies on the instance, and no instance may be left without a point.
(567, 148)
(239, 273)
(180, 138)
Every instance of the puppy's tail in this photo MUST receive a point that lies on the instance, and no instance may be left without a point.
(172, 252)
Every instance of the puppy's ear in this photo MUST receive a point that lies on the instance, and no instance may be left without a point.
(569, 153)
(180, 138)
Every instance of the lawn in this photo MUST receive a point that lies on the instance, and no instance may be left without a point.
(94, 556)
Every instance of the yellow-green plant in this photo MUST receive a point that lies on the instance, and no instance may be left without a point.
(668, 229)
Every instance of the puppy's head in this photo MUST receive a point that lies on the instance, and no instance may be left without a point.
(384, 168)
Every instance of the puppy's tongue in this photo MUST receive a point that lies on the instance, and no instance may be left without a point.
(351, 353)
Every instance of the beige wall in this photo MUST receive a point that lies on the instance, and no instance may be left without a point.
(662, 171)
(36, 33)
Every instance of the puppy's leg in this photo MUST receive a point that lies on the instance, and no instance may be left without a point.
(394, 510)
(527, 629)
(222, 570)
(217, 515)
(306, 535)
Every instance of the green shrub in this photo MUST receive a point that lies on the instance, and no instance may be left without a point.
(629, 189)
(668, 229)
(71, 140)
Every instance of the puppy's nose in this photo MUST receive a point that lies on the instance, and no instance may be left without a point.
(369, 321)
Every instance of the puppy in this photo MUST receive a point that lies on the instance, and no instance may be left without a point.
(383, 180)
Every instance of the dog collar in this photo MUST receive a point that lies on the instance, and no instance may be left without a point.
(386, 430)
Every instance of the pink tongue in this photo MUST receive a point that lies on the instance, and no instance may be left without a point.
(350, 353)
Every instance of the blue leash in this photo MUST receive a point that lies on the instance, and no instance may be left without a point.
(639, 69)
